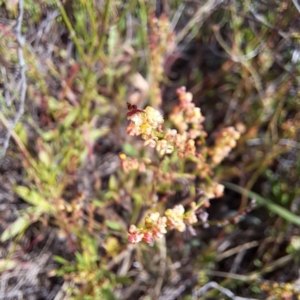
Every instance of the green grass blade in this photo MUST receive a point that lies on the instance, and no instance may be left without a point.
(279, 210)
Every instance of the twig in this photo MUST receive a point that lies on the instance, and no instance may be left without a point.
(297, 5)
(177, 16)
(126, 11)
(237, 249)
(171, 294)
(23, 87)
(214, 285)
(6, 89)
(203, 12)
(162, 266)
(287, 142)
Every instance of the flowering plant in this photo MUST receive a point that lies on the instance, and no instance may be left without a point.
(187, 144)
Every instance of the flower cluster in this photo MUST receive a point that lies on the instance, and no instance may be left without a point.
(177, 218)
(188, 120)
(283, 290)
(214, 190)
(196, 161)
(129, 164)
(186, 117)
(160, 43)
(224, 143)
(155, 225)
(147, 123)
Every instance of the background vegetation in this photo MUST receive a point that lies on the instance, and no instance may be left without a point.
(67, 70)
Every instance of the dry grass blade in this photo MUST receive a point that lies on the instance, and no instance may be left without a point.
(199, 17)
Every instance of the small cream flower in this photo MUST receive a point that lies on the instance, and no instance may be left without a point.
(164, 147)
(154, 117)
(175, 218)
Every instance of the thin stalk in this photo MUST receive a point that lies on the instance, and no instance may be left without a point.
(103, 28)
(125, 11)
(71, 29)
(91, 9)
(85, 100)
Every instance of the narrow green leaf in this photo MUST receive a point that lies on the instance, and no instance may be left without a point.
(45, 158)
(34, 198)
(19, 226)
(123, 280)
(49, 135)
(97, 203)
(61, 260)
(111, 195)
(112, 41)
(96, 133)
(21, 132)
(112, 183)
(8, 264)
(53, 104)
(138, 198)
(79, 258)
(130, 150)
(107, 294)
(70, 118)
(113, 225)
(279, 210)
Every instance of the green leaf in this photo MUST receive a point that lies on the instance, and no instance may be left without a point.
(69, 269)
(34, 198)
(123, 280)
(21, 132)
(8, 264)
(70, 118)
(96, 133)
(61, 260)
(138, 198)
(111, 195)
(112, 184)
(49, 135)
(79, 258)
(53, 104)
(279, 210)
(19, 226)
(65, 270)
(113, 225)
(165, 165)
(112, 41)
(44, 157)
(130, 150)
(97, 203)
(107, 294)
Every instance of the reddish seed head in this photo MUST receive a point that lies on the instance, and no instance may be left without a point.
(132, 110)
